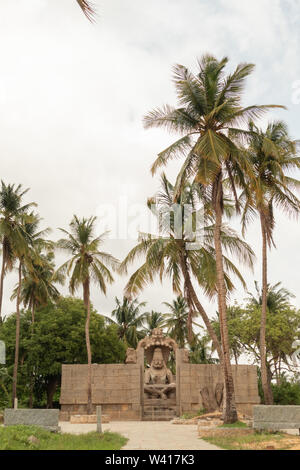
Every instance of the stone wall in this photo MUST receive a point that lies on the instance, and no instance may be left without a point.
(119, 388)
(191, 378)
(116, 387)
(276, 417)
(47, 419)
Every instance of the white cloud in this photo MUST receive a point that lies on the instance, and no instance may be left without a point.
(72, 97)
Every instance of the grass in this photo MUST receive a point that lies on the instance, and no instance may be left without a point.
(16, 438)
(200, 412)
(255, 441)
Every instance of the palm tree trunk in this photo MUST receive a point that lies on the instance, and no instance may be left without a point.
(32, 314)
(1, 281)
(86, 298)
(193, 296)
(17, 346)
(31, 386)
(263, 353)
(230, 412)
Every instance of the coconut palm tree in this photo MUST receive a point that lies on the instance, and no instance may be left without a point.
(200, 353)
(12, 211)
(176, 320)
(129, 319)
(180, 258)
(34, 287)
(24, 254)
(87, 264)
(38, 284)
(210, 107)
(272, 155)
(152, 320)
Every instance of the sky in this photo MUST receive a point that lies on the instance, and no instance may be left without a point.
(73, 96)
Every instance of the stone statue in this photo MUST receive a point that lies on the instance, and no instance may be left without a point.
(131, 356)
(158, 378)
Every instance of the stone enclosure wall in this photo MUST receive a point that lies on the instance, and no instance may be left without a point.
(116, 387)
(119, 388)
(192, 378)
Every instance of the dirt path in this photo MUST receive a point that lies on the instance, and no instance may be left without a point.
(149, 435)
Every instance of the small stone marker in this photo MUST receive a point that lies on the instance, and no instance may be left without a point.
(99, 421)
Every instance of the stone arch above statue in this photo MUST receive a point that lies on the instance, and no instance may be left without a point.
(157, 340)
(159, 381)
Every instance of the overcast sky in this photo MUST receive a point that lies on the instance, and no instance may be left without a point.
(72, 98)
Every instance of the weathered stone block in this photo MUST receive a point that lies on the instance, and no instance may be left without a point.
(47, 419)
(276, 417)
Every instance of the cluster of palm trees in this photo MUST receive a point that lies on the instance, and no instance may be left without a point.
(231, 168)
(134, 324)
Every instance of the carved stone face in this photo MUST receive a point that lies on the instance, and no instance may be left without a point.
(158, 359)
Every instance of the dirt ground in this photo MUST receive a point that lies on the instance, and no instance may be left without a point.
(288, 442)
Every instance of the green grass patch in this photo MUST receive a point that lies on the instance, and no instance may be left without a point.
(190, 415)
(17, 438)
(245, 442)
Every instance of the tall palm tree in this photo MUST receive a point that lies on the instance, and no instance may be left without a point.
(129, 319)
(272, 155)
(34, 287)
(278, 298)
(23, 252)
(152, 320)
(200, 353)
(176, 258)
(176, 321)
(38, 286)
(12, 212)
(210, 107)
(87, 264)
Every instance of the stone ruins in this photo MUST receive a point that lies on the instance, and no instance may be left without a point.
(144, 388)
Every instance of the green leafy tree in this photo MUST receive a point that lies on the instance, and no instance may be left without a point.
(87, 264)
(58, 339)
(282, 329)
(273, 155)
(209, 110)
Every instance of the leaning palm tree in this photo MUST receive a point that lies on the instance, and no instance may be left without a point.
(87, 264)
(210, 107)
(12, 212)
(129, 319)
(181, 259)
(272, 154)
